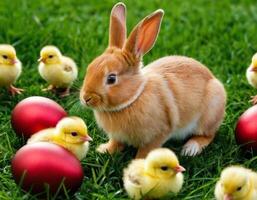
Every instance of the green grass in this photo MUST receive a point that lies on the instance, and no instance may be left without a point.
(221, 34)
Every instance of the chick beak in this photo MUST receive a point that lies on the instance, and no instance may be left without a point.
(179, 168)
(228, 197)
(13, 61)
(86, 138)
(254, 69)
(41, 59)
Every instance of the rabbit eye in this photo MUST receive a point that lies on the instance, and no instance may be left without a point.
(111, 79)
(50, 56)
(74, 134)
(5, 56)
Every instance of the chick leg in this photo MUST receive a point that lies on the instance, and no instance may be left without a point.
(15, 90)
(65, 93)
(49, 88)
(111, 147)
(253, 99)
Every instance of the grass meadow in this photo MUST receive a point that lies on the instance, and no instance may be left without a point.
(221, 34)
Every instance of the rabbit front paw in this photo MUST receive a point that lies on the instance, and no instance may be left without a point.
(103, 148)
(110, 147)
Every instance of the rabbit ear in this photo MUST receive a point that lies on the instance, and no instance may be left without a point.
(142, 38)
(118, 31)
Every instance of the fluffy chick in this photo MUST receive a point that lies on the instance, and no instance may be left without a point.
(251, 75)
(10, 68)
(70, 133)
(155, 176)
(58, 70)
(236, 183)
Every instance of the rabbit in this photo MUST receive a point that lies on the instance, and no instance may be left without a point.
(173, 97)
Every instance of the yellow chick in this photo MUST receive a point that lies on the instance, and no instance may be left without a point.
(70, 133)
(251, 75)
(237, 183)
(10, 68)
(155, 176)
(58, 70)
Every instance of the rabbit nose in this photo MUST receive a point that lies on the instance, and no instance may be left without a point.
(88, 99)
(91, 99)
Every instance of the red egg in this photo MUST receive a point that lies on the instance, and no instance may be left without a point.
(246, 129)
(34, 114)
(36, 165)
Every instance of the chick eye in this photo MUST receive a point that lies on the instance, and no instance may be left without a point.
(5, 56)
(74, 134)
(50, 56)
(111, 79)
(239, 188)
(164, 168)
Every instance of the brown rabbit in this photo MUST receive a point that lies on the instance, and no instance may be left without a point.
(173, 97)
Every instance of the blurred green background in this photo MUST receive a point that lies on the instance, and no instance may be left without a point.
(219, 33)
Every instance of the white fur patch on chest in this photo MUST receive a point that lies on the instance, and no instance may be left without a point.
(188, 130)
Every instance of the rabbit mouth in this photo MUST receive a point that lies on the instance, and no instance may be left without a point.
(91, 100)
